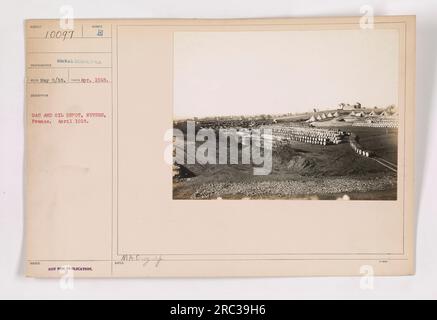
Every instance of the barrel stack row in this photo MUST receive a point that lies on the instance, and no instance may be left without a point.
(381, 123)
(358, 148)
(308, 135)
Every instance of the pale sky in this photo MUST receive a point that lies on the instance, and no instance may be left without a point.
(246, 73)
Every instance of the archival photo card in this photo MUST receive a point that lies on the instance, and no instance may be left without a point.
(190, 148)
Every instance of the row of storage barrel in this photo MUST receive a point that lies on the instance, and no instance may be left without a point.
(378, 124)
(358, 148)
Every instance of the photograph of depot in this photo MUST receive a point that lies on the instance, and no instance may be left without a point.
(286, 115)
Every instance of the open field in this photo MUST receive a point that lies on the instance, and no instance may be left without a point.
(302, 171)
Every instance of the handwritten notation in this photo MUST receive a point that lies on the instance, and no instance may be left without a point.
(154, 261)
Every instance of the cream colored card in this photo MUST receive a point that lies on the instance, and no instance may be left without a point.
(127, 121)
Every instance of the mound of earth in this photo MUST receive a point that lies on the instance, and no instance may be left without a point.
(285, 152)
(300, 163)
(181, 172)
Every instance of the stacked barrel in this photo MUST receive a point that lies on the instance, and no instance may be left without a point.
(378, 123)
(308, 135)
(358, 148)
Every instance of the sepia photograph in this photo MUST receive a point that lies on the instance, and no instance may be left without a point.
(306, 115)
